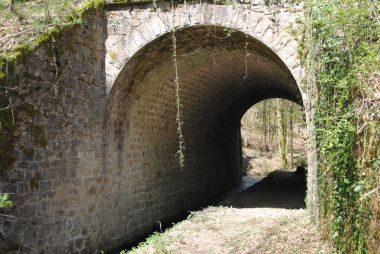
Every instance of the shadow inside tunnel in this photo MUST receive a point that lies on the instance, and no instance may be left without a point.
(280, 189)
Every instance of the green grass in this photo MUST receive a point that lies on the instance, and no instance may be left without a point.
(29, 23)
(157, 243)
(22, 23)
(34, 14)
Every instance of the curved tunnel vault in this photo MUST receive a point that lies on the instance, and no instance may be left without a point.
(220, 76)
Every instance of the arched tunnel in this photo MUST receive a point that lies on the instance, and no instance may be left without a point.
(222, 73)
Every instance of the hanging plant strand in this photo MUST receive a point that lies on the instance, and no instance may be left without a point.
(246, 44)
(178, 119)
(246, 56)
(155, 5)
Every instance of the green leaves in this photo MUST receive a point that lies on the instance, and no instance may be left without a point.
(4, 201)
(341, 41)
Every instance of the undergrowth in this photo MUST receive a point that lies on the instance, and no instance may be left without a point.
(156, 243)
(38, 24)
(341, 45)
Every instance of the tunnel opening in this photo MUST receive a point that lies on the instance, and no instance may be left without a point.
(273, 134)
(222, 73)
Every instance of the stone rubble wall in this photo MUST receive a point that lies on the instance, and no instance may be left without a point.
(103, 98)
(57, 179)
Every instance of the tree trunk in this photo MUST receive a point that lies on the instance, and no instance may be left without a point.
(291, 164)
(263, 127)
(281, 134)
(268, 122)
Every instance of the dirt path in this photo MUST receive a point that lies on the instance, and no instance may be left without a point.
(267, 218)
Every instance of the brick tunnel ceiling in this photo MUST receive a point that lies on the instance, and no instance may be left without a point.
(214, 94)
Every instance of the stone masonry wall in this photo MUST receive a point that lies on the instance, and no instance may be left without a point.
(56, 181)
(96, 145)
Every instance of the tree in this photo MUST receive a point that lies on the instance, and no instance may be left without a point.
(290, 145)
(281, 131)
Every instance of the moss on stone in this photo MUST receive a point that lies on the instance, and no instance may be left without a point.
(35, 181)
(46, 36)
(90, 5)
(113, 55)
(13, 55)
(39, 137)
(28, 152)
(23, 49)
(29, 109)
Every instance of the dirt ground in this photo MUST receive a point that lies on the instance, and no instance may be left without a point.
(261, 157)
(266, 218)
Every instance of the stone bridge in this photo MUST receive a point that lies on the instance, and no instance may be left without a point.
(96, 162)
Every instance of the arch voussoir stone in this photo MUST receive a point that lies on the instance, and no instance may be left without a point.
(258, 23)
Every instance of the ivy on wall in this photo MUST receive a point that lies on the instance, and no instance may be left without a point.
(340, 50)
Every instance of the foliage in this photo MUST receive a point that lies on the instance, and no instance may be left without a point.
(38, 21)
(156, 243)
(4, 201)
(29, 18)
(340, 51)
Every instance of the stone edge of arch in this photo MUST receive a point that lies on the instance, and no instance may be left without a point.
(129, 39)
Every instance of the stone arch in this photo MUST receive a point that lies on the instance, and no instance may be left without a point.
(109, 170)
(141, 139)
(126, 35)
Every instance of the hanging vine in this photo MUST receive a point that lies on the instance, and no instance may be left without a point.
(246, 44)
(179, 116)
